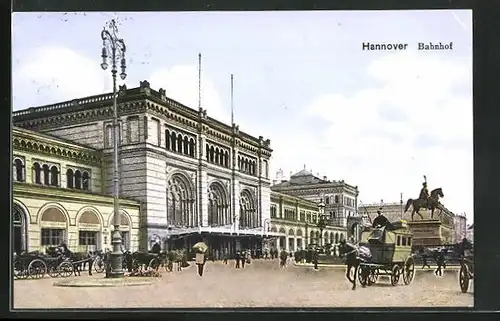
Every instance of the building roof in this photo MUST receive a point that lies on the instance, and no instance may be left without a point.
(471, 227)
(302, 173)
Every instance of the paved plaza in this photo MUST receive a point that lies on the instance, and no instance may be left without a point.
(260, 284)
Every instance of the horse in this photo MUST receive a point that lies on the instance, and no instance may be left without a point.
(77, 259)
(352, 260)
(432, 203)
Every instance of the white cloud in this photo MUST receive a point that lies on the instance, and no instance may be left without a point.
(375, 138)
(181, 83)
(52, 74)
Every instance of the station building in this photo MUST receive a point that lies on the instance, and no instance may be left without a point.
(184, 176)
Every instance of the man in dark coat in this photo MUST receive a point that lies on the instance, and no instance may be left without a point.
(380, 220)
(237, 257)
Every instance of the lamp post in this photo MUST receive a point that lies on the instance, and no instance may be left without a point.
(169, 231)
(321, 221)
(115, 46)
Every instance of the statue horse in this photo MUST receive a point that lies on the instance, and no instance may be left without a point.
(432, 204)
(352, 260)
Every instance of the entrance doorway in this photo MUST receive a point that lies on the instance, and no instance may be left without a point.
(18, 230)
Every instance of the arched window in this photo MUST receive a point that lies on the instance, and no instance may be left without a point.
(218, 210)
(70, 178)
(216, 157)
(167, 139)
(185, 151)
(54, 176)
(173, 141)
(327, 200)
(336, 199)
(226, 159)
(78, 179)
(336, 238)
(108, 136)
(180, 202)
(192, 147)
(179, 143)
(46, 173)
(207, 152)
(249, 217)
(212, 152)
(85, 181)
(19, 170)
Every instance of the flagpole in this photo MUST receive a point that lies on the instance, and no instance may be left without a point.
(232, 105)
(199, 80)
(401, 203)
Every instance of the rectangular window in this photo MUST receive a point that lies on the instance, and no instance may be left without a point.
(154, 132)
(302, 216)
(52, 237)
(266, 169)
(404, 241)
(273, 211)
(133, 129)
(87, 238)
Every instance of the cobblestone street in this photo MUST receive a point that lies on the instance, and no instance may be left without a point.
(260, 284)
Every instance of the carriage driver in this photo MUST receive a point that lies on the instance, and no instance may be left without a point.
(380, 220)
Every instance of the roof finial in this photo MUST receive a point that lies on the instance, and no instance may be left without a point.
(304, 166)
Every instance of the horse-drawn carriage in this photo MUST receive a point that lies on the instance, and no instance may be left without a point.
(387, 251)
(36, 265)
(466, 273)
(56, 261)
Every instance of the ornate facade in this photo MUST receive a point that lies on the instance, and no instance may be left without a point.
(58, 196)
(296, 221)
(340, 198)
(196, 177)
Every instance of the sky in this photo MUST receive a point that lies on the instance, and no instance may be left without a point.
(378, 120)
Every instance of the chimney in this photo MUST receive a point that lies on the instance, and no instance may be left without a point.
(325, 178)
(275, 182)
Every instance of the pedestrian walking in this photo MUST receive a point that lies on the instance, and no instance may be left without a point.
(200, 262)
(243, 258)
(225, 256)
(237, 257)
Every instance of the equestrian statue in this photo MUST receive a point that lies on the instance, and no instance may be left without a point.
(426, 200)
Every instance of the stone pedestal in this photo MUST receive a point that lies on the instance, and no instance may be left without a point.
(426, 232)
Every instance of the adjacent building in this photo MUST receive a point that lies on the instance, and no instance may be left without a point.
(340, 199)
(193, 177)
(296, 220)
(470, 233)
(59, 196)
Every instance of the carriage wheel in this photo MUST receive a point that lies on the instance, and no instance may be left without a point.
(373, 277)
(396, 271)
(135, 265)
(53, 271)
(464, 278)
(37, 269)
(154, 264)
(65, 269)
(409, 271)
(98, 265)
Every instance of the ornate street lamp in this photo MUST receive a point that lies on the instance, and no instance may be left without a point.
(114, 49)
(321, 221)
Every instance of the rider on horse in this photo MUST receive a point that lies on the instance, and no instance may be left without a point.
(424, 192)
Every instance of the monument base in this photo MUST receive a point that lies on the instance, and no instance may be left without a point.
(426, 232)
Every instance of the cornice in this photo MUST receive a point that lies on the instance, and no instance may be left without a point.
(41, 146)
(62, 194)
